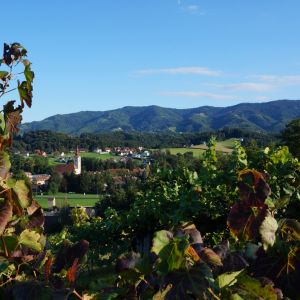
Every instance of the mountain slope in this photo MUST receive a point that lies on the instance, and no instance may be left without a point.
(269, 116)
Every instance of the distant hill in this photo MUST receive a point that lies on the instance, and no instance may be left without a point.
(268, 116)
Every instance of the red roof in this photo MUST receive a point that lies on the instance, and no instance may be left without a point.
(68, 168)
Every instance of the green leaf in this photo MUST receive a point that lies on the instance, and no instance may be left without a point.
(251, 289)
(227, 279)
(172, 256)
(267, 231)
(35, 290)
(11, 243)
(30, 239)
(4, 263)
(161, 239)
(194, 282)
(29, 75)
(25, 92)
(2, 124)
(3, 74)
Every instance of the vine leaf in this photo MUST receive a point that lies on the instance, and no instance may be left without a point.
(4, 165)
(30, 239)
(210, 257)
(227, 279)
(36, 220)
(25, 92)
(13, 117)
(22, 192)
(6, 211)
(192, 253)
(289, 229)
(29, 75)
(160, 240)
(195, 282)
(172, 256)
(244, 221)
(3, 74)
(250, 288)
(4, 263)
(247, 215)
(71, 273)
(281, 264)
(8, 243)
(48, 265)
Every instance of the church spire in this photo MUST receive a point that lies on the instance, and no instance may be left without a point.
(77, 153)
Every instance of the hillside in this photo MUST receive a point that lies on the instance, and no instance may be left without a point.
(269, 116)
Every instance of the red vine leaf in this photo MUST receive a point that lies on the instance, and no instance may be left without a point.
(12, 117)
(36, 219)
(244, 220)
(48, 265)
(247, 215)
(71, 273)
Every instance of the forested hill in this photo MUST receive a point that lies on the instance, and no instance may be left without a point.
(269, 116)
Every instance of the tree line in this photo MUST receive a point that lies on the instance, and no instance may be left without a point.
(52, 141)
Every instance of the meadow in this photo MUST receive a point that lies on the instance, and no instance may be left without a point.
(198, 150)
(68, 199)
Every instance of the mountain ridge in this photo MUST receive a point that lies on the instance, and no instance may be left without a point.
(269, 116)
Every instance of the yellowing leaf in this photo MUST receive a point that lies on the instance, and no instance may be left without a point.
(160, 240)
(227, 279)
(30, 239)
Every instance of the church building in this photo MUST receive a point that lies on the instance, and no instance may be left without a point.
(74, 167)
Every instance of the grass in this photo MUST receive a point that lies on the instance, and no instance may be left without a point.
(198, 150)
(105, 156)
(98, 156)
(68, 199)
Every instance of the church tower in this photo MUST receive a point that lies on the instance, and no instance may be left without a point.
(77, 162)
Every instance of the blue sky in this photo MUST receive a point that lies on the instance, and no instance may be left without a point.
(106, 54)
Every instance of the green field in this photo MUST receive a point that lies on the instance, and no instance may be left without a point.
(222, 146)
(99, 156)
(68, 200)
(52, 161)
(196, 152)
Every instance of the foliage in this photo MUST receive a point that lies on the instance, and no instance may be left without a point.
(53, 141)
(291, 136)
(79, 216)
(25, 263)
(181, 266)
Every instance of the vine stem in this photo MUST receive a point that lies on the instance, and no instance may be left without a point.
(213, 294)
(4, 246)
(77, 295)
(3, 93)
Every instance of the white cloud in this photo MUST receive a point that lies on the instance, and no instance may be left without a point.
(248, 86)
(280, 79)
(181, 71)
(192, 8)
(198, 95)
